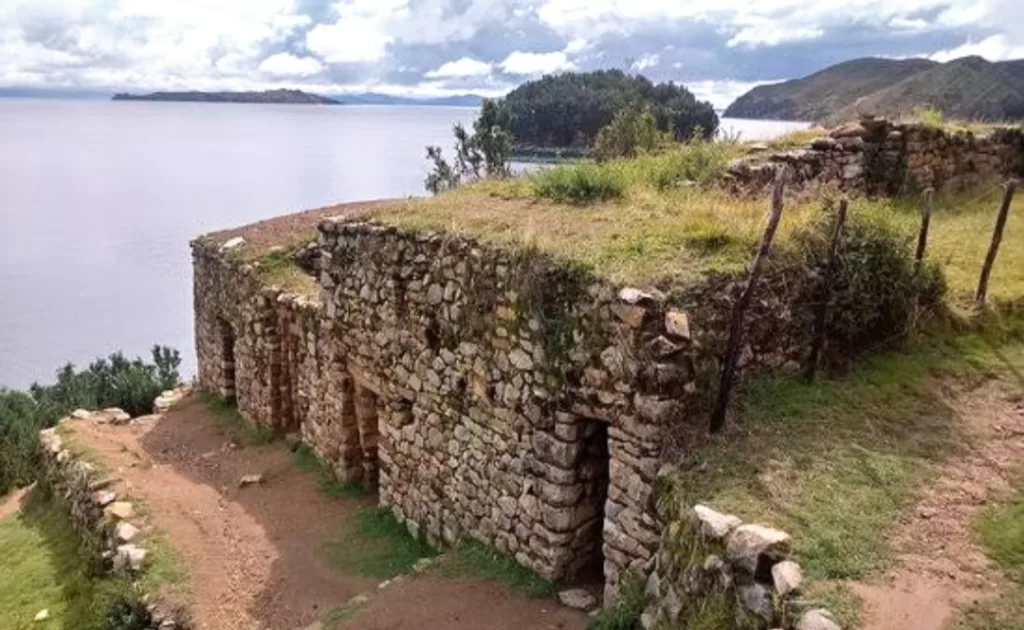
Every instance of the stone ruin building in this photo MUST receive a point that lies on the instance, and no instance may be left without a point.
(498, 393)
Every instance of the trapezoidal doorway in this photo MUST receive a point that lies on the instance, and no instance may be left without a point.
(227, 389)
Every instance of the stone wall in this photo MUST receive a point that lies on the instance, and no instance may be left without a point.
(879, 157)
(491, 393)
(107, 524)
(487, 392)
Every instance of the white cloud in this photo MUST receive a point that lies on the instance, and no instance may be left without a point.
(288, 65)
(361, 32)
(529, 63)
(722, 93)
(465, 67)
(576, 46)
(994, 48)
(647, 61)
(768, 33)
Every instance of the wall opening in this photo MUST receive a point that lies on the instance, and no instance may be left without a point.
(227, 364)
(587, 566)
(366, 420)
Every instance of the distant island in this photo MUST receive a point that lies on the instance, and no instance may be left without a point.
(287, 97)
(966, 88)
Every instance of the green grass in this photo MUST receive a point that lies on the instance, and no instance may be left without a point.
(232, 424)
(475, 559)
(45, 568)
(625, 613)
(376, 546)
(305, 459)
(835, 462)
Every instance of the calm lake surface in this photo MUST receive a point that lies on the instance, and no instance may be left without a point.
(98, 201)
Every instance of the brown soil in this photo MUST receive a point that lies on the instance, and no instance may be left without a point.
(290, 228)
(253, 553)
(10, 504)
(940, 566)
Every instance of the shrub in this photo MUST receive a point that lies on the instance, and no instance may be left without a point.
(632, 131)
(932, 118)
(698, 162)
(483, 154)
(875, 290)
(579, 183)
(115, 381)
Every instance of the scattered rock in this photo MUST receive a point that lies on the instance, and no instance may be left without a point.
(817, 619)
(81, 414)
(42, 615)
(787, 577)
(232, 243)
(748, 543)
(121, 510)
(578, 598)
(117, 415)
(422, 565)
(358, 600)
(926, 512)
(714, 525)
(249, 480)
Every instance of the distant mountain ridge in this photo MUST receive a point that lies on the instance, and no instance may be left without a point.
(375, 98)
(289, 97)
(968, 88)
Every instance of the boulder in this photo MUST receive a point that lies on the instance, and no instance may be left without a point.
(748, 544)
(129, 556)
(787, 577)
(120, 510)
(817, 619)
(578, 598)
(714, 525)
(125, 532)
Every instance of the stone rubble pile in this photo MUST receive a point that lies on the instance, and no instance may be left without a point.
(708, 559)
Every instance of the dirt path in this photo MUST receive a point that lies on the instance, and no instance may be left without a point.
(939, 565)
(255, 554)
(10, 504)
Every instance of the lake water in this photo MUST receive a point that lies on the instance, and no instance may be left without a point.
(98, 201)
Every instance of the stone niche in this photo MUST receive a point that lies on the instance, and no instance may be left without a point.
(486, 392)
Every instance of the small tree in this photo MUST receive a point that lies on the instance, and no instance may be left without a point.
(483, 154)
(633, 130)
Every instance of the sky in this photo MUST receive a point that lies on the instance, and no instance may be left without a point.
(719, 48)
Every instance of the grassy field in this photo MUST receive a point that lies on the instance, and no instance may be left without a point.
(676, 233)
(45, 569)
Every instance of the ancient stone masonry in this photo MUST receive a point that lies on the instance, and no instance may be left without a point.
(879, 157)
(490, 392)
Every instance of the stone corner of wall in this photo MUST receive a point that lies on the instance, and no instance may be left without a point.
(106, 524)
(743, 571)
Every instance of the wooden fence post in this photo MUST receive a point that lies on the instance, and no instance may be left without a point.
(922, 237)
(821, 316)
(740, 308)
(997, 238)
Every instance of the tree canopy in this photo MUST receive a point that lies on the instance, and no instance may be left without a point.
(568, 110)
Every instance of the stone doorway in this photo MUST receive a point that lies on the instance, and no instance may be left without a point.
(365, 402)
(587, 565)
(227, 389)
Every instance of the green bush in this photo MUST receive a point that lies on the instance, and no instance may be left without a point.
(633, 131)
(875, 289)
(698, 162)
(115, 381)
(625, 613)
(580, 183)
